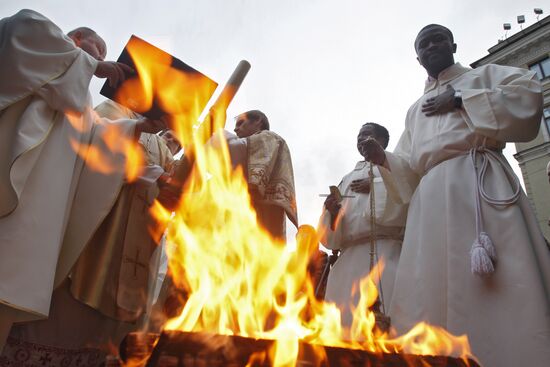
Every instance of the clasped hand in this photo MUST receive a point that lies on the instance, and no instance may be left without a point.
(441, 103)
(332, 205)
(361, 186)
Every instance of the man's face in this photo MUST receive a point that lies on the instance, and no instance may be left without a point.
(245, 127)
(434, 50)
(368, 132)
(92, 44)
(172, 142)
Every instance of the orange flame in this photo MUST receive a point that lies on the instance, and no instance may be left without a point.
(110, 149)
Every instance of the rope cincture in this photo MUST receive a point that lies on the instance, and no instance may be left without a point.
(483, 253)
(373, 238)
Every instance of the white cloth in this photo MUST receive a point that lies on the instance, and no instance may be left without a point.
(46, 126)
(352, 236)
(47, 76)
(238, 150)
(113, 226)
(507, 314)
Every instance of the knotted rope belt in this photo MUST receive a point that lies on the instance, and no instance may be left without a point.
(483, 253)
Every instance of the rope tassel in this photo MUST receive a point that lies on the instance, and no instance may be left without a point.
(487, 244)
(483, 255)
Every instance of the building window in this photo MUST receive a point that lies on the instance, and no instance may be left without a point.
(542, 68)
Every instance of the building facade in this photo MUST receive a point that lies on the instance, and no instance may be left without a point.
(530, 48)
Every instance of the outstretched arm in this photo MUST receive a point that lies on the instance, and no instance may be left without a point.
(399, 178)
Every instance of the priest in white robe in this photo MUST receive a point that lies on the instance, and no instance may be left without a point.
(123, 236)
(45, 76)
(124, 242)
(346, 226)
(109, 290)
(474, 260)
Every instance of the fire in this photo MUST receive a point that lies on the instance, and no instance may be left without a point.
(242, 282)
(182, 94)
(239, 280)
(110, 149)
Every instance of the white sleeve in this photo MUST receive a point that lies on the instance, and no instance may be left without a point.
(509, 111)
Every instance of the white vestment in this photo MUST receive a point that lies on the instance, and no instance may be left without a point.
(110, 287)
(43, 75)
(46, 128)
(352, 235)
(506, 314)
(121, 242)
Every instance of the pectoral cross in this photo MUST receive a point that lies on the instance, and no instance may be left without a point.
(135, 262)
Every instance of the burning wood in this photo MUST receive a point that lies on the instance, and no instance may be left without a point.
(205, 349)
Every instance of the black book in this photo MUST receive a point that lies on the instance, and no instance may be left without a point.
(176, 87)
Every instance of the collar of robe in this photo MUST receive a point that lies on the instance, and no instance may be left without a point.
(445, 76)
(360, 165)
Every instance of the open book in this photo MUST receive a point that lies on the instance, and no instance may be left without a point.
(161, 85)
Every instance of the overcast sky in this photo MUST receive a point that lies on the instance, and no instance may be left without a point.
(320, 68)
